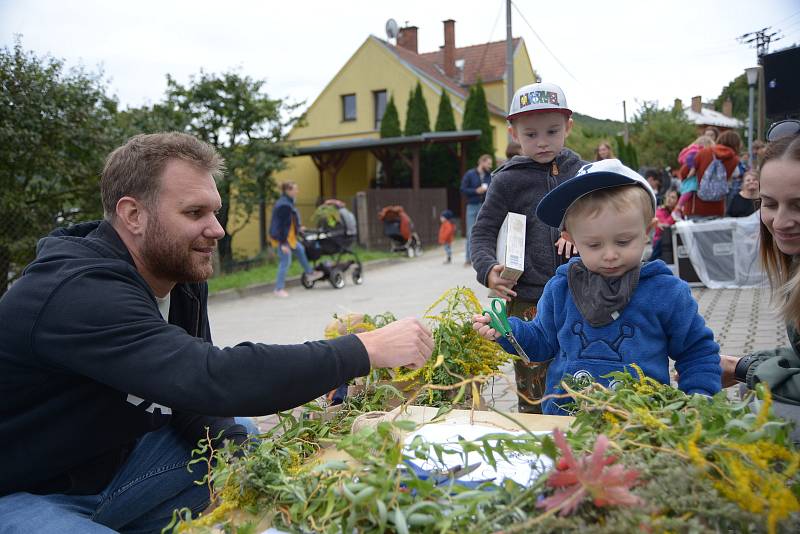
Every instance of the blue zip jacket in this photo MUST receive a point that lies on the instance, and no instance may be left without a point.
(661, 321)
(283, 212)
(470, 182)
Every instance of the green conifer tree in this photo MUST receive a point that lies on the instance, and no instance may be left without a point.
(394, 171)
(476, 117)
(417, 118)
(442, 167)
(390, 123)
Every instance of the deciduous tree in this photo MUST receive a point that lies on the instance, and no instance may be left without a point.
(660, 134)
(55, 131)
(234, 114)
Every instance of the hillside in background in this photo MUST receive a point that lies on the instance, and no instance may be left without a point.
(588, 132)
(603, 127)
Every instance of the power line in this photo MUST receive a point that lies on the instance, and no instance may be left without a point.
(544, 44)
(793, 15)
(491, 34)
(761, 39)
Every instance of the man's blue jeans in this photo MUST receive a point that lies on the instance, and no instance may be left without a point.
(140, 499)
(286, 259)
(471, 216)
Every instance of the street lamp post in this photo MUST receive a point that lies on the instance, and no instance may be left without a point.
(752, 78)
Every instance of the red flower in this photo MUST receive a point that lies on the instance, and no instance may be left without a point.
(592, 476)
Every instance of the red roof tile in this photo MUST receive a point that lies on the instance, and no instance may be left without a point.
(485, 61)
(425, 65)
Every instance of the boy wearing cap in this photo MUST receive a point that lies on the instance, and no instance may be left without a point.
(539, 120)
(607, 310)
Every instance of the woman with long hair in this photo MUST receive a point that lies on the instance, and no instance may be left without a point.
(603, 151)
(780, 257)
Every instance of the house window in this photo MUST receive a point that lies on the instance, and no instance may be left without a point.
(348, 107)
(379, 98)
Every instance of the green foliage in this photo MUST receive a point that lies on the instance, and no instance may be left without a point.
(703, 465)
(626, 152)
(390, 123)
(588, 132)
(417, 119)
(56, 128)
(151, 119)
(442, 168)
(603, 128)
(476, 117)
(325, 216)
(660, 134)
(445, 119)
(247, 127)
(739, 93)
(394, 170)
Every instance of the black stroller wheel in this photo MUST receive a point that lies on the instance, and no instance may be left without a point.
(358, 277)
(308, 284)
(337, 279)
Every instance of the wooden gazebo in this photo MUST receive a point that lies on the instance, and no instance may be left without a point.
(331, 157)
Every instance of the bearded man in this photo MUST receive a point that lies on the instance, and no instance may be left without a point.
(108, 376)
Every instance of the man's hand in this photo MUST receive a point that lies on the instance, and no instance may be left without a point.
(565, 248)
(728, 364)
(501, 286)
(480, 323)
(403, 343)
(285, 248)
(482, 188)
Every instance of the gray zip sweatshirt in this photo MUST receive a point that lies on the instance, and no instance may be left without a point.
(517, 187)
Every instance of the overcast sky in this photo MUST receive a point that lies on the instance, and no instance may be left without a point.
(613, 50)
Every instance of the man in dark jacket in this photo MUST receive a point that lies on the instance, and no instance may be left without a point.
(474, 185)
(107, 371)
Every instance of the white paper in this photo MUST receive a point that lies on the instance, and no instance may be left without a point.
(521, 468)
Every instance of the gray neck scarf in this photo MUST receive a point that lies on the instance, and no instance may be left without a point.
(600, 299)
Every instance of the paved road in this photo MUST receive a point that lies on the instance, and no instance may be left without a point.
(406, 289)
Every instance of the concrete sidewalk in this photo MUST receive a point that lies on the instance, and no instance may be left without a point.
(742, 319)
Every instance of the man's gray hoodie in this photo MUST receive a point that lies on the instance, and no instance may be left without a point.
(517, 187)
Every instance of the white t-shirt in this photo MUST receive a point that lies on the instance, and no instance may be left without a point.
(163, 307)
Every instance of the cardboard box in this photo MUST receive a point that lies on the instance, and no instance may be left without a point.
(511, 246)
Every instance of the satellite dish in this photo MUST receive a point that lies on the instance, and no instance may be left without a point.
(391, 28)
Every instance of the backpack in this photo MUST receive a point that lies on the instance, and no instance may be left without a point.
(714, 184)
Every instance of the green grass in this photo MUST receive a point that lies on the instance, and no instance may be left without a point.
(267, 273)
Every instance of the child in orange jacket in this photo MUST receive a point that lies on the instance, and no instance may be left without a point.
(447, 232)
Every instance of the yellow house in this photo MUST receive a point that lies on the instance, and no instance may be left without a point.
(351, 107)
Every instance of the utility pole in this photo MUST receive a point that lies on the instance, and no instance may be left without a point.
(509, 61)
(625, 119)
(761, 39)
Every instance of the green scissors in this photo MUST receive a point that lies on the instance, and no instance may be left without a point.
(499, 321)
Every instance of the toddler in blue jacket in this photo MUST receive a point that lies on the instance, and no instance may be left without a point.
(605, 309)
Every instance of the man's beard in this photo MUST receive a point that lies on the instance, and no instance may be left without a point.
(169, 259)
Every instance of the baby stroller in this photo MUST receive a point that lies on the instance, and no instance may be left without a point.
(335, 234)
(399, 227)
